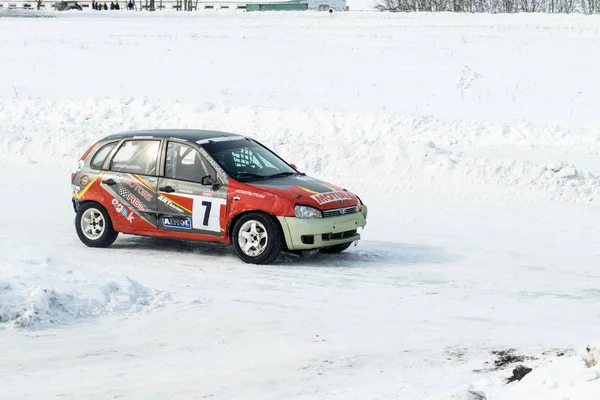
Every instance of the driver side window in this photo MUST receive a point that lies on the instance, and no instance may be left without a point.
(185, 163)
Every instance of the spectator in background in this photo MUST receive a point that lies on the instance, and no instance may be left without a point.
(93, 5)
(130, 5)
(105, 6)
(117, 6)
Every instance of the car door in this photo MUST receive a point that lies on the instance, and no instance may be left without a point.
(184, 203)
(130, 183)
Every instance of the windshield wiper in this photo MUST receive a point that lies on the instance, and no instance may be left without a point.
(282, 174)
(242, 174)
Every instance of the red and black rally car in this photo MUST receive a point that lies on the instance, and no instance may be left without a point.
(212, 186)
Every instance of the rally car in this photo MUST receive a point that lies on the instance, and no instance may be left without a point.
(210, 186)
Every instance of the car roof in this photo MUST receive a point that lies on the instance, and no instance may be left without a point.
(192, 135)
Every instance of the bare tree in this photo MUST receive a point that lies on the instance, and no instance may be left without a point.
(490, 6)
(591, 7)
(396, 5)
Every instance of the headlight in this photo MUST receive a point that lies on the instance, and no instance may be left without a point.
(360, 204)
(307, 212)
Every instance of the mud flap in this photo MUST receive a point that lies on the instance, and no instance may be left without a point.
(308, 253)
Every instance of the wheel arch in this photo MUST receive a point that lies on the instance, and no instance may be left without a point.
(236, 218)
(78, 204)
(107, 237)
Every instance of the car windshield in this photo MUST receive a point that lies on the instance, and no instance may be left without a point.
(247, 161)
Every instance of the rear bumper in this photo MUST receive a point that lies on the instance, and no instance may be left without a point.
(306, 234)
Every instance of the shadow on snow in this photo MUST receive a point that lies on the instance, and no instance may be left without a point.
(366, 254)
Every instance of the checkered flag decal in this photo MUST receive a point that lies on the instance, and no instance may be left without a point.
(125, 195)
(122, 191)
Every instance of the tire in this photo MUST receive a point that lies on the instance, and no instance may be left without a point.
(99, 232)
(257, 238)
(338, 248)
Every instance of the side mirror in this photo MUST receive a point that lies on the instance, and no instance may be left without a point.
(294, 166)
(209, 181)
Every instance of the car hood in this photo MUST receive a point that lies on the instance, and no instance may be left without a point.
(302, 189)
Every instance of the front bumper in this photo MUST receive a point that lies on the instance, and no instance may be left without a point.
(314, 233)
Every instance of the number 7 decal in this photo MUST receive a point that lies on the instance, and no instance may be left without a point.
(208, 206)
(206, 213)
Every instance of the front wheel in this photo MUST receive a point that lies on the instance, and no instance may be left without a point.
(257, 238)
(94, 226)
(338, 248)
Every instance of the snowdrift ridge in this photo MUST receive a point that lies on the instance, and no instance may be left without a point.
(380, 152)
(39, 293)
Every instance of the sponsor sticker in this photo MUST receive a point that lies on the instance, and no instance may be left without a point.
(211, 161)
(130, 197)
(128, 166)
(170, 204)
(248, 193)
(135, 201)
(177, 222)
(136, 186)
(121, 209)
(84, 181)
(76, 189)
(209, 192)
(328, 197)
(80, 165)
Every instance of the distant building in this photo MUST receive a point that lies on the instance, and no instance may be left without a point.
(278, 6)
(326, 5)
(192, 5)
(321, 5)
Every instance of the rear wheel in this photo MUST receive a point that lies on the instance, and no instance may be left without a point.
(257, 238)
(94, 227)
(338, 248)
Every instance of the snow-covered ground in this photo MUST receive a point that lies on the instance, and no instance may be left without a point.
(472, 139)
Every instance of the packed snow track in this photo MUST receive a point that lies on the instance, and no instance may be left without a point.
(478, 167)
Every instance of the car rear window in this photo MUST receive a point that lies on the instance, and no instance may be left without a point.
(136, 157)
(100, 156)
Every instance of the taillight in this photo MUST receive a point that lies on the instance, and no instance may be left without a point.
(79, 166)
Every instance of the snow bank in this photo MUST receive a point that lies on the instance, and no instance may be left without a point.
(346, 92)
(38, 293)
(7, 13)
(381, 152)
(566, 377)
(532, 67)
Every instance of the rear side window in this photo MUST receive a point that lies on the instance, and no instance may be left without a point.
(100, 156)
(136, 157)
